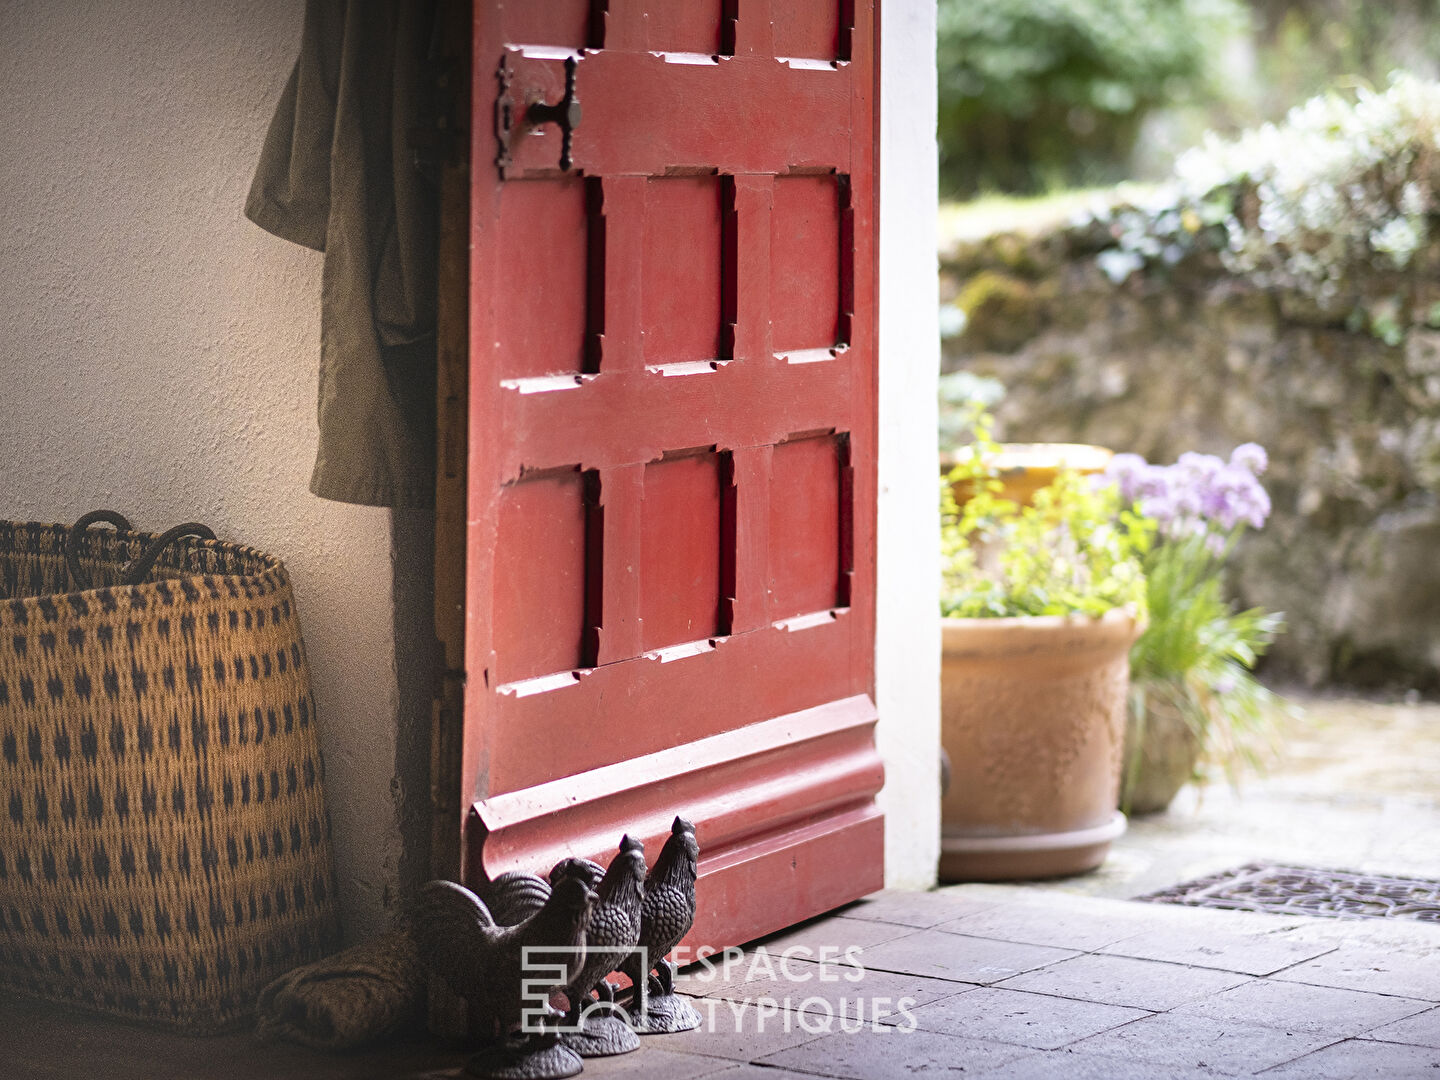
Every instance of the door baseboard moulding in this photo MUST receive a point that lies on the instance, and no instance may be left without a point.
(783, 809)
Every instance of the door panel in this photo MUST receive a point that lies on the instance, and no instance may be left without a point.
(806, 29)
(553, 22)
(671, 531)
(805, 527)
(680, 550)
(805, 263)
(691, 27)
(544, 245)
(680, 297)
(540, 576)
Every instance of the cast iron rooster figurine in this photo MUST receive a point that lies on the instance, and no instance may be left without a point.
(513, 897)
(593, 918)
(487, 964)
(611, 936)
(666, 915)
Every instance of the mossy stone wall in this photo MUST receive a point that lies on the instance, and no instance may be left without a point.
(1193, 359)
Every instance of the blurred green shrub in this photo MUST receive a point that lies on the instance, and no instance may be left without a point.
(1303, 47)
(1036, 94)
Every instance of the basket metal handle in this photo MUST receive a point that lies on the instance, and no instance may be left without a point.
(134, 571)
(78, 576)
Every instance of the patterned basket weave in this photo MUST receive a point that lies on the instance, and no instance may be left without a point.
(164, 845)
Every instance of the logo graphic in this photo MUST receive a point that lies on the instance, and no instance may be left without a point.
(545, 969)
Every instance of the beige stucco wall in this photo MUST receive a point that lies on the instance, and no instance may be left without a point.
(158, 351)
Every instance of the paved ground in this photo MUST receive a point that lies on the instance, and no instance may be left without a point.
(974, 981)
(1016, 982)
(1356, 787)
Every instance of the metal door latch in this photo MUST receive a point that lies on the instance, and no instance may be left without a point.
(566, 113)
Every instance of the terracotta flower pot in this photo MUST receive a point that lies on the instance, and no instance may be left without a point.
(1034, 724)
(1160, 756)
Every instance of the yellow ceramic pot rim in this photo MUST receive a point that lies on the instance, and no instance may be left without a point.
(1076, 456)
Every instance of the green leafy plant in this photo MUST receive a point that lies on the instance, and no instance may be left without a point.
(1153, 539)
(1197, 655)
(1075, 550)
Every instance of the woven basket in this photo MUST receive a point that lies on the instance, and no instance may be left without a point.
(164, 844)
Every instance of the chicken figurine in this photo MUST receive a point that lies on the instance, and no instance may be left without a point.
(666, 914)
(599, 1028)
(513, 897)
(587, 871)
(495, 969)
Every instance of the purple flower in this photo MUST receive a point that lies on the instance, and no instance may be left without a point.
(1154, 482)
(1199, 469)
(1251, 457)
(1233, 496)
(1198, 493)
(1125, 471)
(1259, 507)
(1187, 502)
(1160, 508)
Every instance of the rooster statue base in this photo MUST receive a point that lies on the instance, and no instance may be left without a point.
(666, 915)
(531, 1057)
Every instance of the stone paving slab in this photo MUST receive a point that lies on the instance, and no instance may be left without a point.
(738, 1031)
(1407, 973)
(834, 935)
(1045, 897)
(653, 1060)
(1359, 1059)
(1048, 985)
(1250, 953)
(742, 1072)
(1119, 980)
(940, 955)
(890, 1054)
(1198, 1042)
(1072, 1064)
(823, 942)
(1055, 925)
(863, 999)
(1422, 1029)
(1013, 1016)
(986, 1003)
(1300, 1007)
(918, 909)
(699, 981)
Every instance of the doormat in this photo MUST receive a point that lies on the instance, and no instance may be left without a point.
(1301, 890)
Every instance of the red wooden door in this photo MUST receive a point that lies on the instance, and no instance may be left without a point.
(671, 539)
